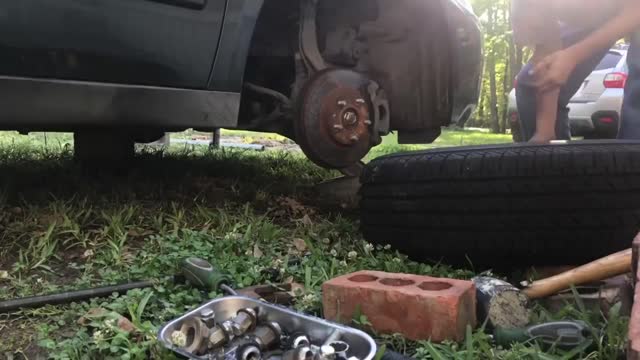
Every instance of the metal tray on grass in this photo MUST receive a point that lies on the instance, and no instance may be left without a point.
(318, 330)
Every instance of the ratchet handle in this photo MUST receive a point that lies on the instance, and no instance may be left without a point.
(562, 334)
(203, 274)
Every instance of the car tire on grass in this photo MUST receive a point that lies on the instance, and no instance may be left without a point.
(505, 205)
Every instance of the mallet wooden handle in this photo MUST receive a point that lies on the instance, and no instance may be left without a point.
(612, 265)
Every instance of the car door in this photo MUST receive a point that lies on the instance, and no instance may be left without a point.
(168, 43)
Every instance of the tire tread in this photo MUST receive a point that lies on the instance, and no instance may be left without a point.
(505, 205)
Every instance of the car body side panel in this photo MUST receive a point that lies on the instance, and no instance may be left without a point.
(593, 101)
(235, 42)
(581, 115)
(610, 100)
(141, 42)
(63, 105)
(591, 88)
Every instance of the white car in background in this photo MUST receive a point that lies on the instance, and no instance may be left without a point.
(594, 111)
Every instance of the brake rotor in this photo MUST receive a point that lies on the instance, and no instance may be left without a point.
(333, 126)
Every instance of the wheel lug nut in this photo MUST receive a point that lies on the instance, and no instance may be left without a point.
(360, 101)
(368, 122)
(342, 103)
(354, 139)
(338, 127)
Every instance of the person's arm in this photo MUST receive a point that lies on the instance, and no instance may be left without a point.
(627, 21)
(553, 71)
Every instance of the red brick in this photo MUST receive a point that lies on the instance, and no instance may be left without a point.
(634, 323)
(418, 307)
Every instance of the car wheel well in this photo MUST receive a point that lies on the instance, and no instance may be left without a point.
(270, 69)
(275, 70)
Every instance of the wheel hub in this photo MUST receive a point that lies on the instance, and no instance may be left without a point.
(334, 127)
(347, 123)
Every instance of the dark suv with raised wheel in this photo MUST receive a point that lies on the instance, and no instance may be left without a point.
(333, 75)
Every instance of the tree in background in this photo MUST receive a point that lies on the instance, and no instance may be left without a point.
(503, 61)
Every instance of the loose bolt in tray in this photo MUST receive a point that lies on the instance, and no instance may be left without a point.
(319, 331)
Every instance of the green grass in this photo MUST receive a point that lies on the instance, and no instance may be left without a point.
(64, 227)
(448, 138)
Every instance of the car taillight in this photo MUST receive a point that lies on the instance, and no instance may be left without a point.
(606, 120)
(615, 80)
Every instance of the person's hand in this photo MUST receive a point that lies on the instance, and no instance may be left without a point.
(553, 71)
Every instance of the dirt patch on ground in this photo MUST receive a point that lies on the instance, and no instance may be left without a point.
(19, 334)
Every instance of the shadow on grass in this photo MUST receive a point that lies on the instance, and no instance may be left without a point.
(28, 174)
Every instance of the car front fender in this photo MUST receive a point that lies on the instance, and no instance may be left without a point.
(428, 57)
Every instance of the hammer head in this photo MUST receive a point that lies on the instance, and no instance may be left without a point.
(500, 304)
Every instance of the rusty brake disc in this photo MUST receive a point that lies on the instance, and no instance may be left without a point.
(333, 125)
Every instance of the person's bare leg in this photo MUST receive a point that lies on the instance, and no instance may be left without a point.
(547, 102)
(547, 112)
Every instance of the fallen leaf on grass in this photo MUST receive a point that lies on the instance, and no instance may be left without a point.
(257, 253)
(306, 221)
(300, 245)
(292, 204)
(121, 322)
(4, 274)
(126, 325)
(294, 207)
(128, 257)
(92, 313)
